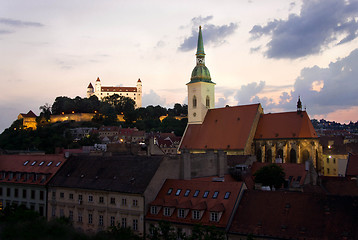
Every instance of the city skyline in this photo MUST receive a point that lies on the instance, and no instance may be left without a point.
(256, 52)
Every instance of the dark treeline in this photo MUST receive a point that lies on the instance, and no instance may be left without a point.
(48, 136)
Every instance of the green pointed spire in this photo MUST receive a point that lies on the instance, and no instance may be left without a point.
(200, 50)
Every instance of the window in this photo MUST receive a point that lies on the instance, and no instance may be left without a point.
(90, 218)
(216, 193)
(25, 163)
(178, 192)
(327, 160)
(113, 200)
(124, 201)
(8, 192)
(206, 193)
(214, 217)
(196, 193)
(32, 194)
(113, 221)
(194, 102)
(101, 200)
(327, 170)
(62, 213)
(100, 221)
(41, 163)
(181, 213)
(34, 162)
(49, 164)
(70, 215)
(207, 101)
(135, 224)
(62, 195)
(153, 209)
(0, 191)
(58, 164)
(334, 160)
(166, 211)
(42, 195)
(53, 212)
(135, 202)
(170, 190)
(80, 197)
(227, 195)
(70, 196)
(16, 193)
(124, 222)
(53, 194)
(196, 214)
(90, 198)
(79, 217)
(187, 193)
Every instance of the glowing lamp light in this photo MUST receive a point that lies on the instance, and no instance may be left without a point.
(329, 146)
(73, 111)
(330, 156)
(63, 113)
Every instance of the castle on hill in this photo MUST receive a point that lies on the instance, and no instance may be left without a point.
(101, 92)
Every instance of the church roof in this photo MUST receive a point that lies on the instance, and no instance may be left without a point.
(285, 125)
(223, 129)
(30, 114)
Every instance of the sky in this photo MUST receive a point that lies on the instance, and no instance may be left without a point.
(267, 52)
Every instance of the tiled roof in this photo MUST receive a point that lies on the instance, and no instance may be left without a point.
(29, 114)
(223, 129)
(291, 169)
(340, 186)
(118, 89)
(181, 198)
(126, 173)
(285, 125)
(352, 165)
(90, 85)
(139, 80)
(98, 80)
(295, 215)
(46, 165)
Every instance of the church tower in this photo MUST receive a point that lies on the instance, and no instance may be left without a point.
(201, 90)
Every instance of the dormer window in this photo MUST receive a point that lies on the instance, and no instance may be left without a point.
(187, 193)
(167, 211)
(181, 213)
(216, 193)
(25, 163)
(214, 217)
(178, 192)
(196, 193)
(206, 193)
(153, 210)
(227, 195)
(170, 190)
(32, 164)
(196, 214)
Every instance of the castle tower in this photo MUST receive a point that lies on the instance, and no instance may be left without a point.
(97, 90)
(90, 90)
(201, 90)
(139, 94)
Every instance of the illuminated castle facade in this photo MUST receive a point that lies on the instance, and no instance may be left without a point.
(101, 92)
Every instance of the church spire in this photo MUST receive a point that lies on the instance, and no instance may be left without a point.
(200, 48)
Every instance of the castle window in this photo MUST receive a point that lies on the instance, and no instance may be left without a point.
(194, 102)
(207, 101)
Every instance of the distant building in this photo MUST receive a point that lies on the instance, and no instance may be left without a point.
(101, 92)
(245, 129)
(24, 179)
(29, 120)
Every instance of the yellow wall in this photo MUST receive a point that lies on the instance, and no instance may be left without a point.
(330, 164)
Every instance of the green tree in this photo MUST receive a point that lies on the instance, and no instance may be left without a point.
(270, 175)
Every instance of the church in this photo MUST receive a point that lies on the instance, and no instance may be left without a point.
(101, 92)
(287, 137)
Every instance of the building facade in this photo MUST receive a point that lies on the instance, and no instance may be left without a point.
(101, 92)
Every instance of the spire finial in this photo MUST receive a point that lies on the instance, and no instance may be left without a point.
(299, 105)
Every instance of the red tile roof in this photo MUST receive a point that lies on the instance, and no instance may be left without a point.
(39, 164)
(295, 215)
(291, 169)
(118, 89)
(139, 80)
(285, 125)
(223, 129)
(340, 186)
(180, 201)
(98, 79)
(352, 165)
(90, 85)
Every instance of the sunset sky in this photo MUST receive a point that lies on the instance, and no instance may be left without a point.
(269, 52)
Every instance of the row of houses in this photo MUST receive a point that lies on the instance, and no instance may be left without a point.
(96, 192)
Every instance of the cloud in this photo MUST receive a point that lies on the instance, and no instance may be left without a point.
(320, 24)
(2, 32)
(152, 98)
(19, 23)
(213, 34)
(247, 93)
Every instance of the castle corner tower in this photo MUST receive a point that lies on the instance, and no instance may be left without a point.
(201, 90)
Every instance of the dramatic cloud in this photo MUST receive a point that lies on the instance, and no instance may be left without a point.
(19, 23)
(152, 98)
(214, 34)
(247, 93)
(320, 24)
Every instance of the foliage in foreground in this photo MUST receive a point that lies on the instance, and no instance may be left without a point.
(270, 175)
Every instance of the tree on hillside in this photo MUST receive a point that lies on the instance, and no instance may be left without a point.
(271, 175)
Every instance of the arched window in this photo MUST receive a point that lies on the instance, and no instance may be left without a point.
(194, 102)
(305, 155)
(259, 155)
(293, 158)
(207, 101)
(269, 156)
(279, 154)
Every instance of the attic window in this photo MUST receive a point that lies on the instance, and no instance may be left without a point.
(58, 164)
(25, 163)
(32, 164)
(206, 193)
(49, 164)
(170, 191)
(178, 192)
(216, 193)
(41, 163)
(227, 195)
(187, 193)
(196, 193)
